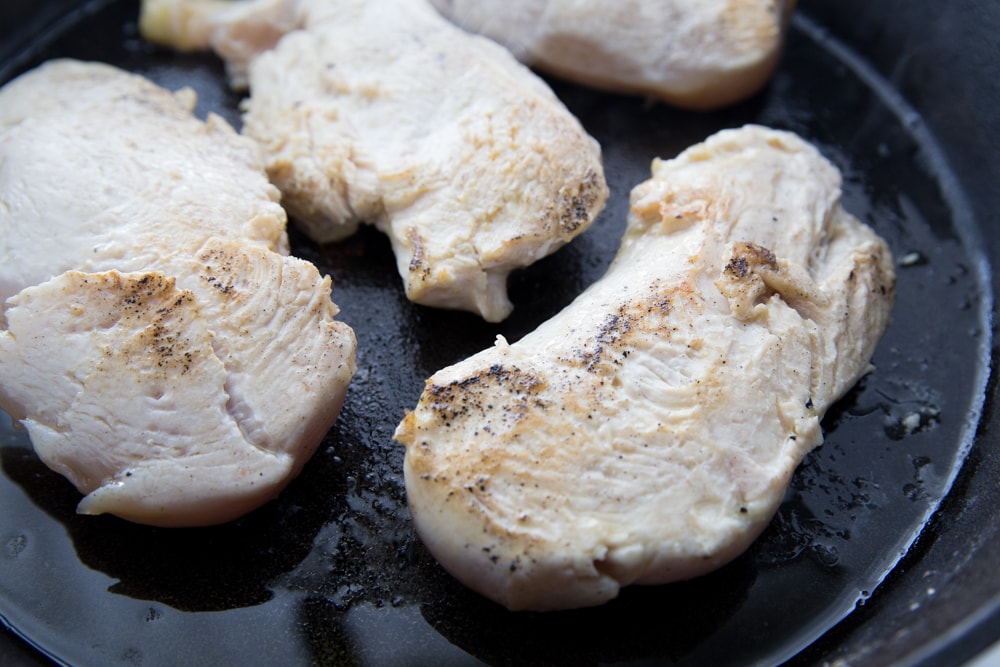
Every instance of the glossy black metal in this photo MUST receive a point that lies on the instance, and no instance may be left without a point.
(861, 563)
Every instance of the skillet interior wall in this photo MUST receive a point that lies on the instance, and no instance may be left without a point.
(20, 21)
(944, 59)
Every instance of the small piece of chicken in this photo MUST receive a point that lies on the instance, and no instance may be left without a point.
(161, 350)
(695, 54)
(121, 172)
(647, 433)
(381, 111)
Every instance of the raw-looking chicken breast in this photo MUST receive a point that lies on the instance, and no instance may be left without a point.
(161, 350)
(381, 111)
(647, 433)
(696, 54)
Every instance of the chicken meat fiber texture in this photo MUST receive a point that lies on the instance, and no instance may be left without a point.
(648, 432)
(383, 112)
(694, 54)
(159, 346)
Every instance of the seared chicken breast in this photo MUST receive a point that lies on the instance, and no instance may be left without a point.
(381, 111)
(159, 347)
(122, 174)
(647, 433)
(696, 54)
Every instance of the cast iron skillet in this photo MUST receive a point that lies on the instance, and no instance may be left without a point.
(331, 573)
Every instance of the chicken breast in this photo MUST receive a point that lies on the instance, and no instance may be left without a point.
(164, 355)
(123, 174)
(701, 54)
(380, 111)
(647, 433)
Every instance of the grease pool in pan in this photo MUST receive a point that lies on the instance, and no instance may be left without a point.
(331, 573)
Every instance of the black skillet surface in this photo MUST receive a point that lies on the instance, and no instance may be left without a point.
(331, 573)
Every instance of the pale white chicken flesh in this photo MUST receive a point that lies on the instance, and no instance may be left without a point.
(381, 111)
(696, 54)
(95, 158)
(159, 346)
(647, 433)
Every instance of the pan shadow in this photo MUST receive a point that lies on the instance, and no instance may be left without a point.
(191, 569)
(653, 624)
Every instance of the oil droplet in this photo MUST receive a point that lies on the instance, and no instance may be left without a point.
(898, 427)
(16, 545)
(914, 258)
(826, 554)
